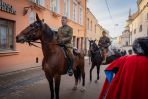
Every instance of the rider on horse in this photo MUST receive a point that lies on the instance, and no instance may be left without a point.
(65, 34)
(104, 43)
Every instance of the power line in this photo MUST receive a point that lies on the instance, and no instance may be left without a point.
(108, 9)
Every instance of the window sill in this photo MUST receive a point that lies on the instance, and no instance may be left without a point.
(8, 53)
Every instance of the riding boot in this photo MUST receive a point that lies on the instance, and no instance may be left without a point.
(70, 67)
(70, 62)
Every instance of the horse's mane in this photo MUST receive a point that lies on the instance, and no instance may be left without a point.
(95, 47)
(48, 33)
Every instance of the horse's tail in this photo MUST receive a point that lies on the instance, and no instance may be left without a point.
(77, 74)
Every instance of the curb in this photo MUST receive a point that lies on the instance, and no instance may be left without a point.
(18, 71)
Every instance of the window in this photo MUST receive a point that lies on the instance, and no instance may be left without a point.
(67, 8)
(140, 29)
(32, 17)
(6, 35)
(81, 16)
(88, 23)
(75, 10)
(126, 43)
(91, 26)
(54, 5)
(134, 31)
(39, 2)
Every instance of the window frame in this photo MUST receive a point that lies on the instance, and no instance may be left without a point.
(67, 8)
(9, 24)
(81, 15)
(140, 28)
(135, 31)
(91, 25)
(57, 10)
(75, 8)
(39, 2)
(88, 23)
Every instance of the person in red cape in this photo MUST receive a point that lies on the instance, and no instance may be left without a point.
(131, 74)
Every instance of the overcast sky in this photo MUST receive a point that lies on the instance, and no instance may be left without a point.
(119, 11)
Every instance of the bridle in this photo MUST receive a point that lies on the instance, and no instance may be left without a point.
(32, 42)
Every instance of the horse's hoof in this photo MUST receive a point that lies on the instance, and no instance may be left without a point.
(96, 81)
(74, 88)
(83, 89)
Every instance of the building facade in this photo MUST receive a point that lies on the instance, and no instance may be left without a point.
(138, 22)
(93, 29)
(125, 38)
(15, 15)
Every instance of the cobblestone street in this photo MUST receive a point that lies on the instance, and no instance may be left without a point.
(32, 84)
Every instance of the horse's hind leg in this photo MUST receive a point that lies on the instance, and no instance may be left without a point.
(92, 67)
(50, 80)
(98, 71)
(83, 80)
(76, 80)
(57, 85)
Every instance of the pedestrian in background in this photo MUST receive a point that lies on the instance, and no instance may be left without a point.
(130, 52)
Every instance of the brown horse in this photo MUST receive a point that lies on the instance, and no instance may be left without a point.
(54, 62)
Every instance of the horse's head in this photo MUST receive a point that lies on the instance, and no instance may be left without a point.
(32, 32)
(92, 45)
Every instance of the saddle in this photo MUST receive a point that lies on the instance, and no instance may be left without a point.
(75, 51)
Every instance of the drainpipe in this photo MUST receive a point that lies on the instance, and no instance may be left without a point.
(85, 25)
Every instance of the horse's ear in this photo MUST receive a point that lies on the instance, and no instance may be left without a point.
(37, 17)
(42, 20)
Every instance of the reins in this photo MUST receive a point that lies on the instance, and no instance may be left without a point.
(31, 43)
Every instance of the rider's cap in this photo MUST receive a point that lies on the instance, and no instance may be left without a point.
(104, 32)
(64, 17)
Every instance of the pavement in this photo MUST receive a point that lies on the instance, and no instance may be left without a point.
(32, 84)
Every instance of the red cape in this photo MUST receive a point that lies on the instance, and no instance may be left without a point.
(131, 80)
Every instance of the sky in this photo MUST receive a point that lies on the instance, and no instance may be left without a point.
(119, 10)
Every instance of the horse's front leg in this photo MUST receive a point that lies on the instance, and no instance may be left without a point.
(50, 80)
(57, 85)
(98, 72)
(92, 67)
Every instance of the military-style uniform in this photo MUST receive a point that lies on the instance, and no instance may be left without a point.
(65, 34)
(104, 42)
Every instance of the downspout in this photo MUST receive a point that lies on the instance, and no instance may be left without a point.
(85, 26)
